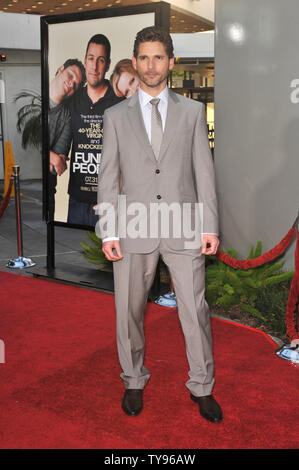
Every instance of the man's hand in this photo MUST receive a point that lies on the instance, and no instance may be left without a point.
(58, 162)
(108, 248)
(210, 244)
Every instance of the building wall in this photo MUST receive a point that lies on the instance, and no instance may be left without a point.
(19, 31)
(256, 121)
(21, 71)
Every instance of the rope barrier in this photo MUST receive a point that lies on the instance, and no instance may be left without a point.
(293, 301)
(279, 249)
(6, 197)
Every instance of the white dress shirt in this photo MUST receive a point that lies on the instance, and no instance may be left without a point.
(146, 108)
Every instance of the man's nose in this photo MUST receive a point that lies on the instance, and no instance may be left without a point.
(151, 64)
(94, 65)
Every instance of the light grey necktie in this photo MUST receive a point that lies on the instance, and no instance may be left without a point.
(157, 128)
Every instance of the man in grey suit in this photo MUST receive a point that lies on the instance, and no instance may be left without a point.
(156, 163)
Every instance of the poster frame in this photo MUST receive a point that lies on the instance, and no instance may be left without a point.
(161, 11)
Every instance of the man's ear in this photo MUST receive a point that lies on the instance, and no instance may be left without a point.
(60, 69)
(134, 62)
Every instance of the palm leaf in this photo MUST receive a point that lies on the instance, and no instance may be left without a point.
(29, 118)
(32, 133)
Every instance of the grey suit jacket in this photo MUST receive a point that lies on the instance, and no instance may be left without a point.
(183, 173)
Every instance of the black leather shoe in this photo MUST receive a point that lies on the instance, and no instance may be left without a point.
(132, 403)
(208, 408)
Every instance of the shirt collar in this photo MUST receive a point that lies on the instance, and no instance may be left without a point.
(144, 98)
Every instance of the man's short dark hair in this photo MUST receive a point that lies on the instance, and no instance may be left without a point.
(153, 34)
(104, 41)
(78, 64)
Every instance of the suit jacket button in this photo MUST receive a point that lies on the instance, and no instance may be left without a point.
(157, 171)
(158, 197)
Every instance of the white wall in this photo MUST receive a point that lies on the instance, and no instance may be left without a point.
(203, 8)
(194, 45)
(19, 31)
(22, 71)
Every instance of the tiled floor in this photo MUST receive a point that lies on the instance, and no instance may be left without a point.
(70, 264)
(67, 240)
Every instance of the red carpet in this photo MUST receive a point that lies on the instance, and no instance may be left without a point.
(60, 385)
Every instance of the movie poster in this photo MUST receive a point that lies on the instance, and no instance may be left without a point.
(81, 86)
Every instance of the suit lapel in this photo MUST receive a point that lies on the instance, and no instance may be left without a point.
(137, 123)
(172, 119)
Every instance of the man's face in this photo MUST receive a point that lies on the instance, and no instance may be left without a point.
(152, 64)
(68, 80)
(95, 64)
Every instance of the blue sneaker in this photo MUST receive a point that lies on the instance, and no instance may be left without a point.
(166, 302)
(289, 353)
(170, 295)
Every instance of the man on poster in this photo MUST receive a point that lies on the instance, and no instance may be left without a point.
(68, 79)
(157, 141)
(86, 110)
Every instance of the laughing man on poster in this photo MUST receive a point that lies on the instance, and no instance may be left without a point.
(87, 109)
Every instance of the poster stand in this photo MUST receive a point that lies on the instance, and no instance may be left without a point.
(63, 272)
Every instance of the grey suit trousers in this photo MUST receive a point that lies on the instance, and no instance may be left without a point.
(133, 277)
